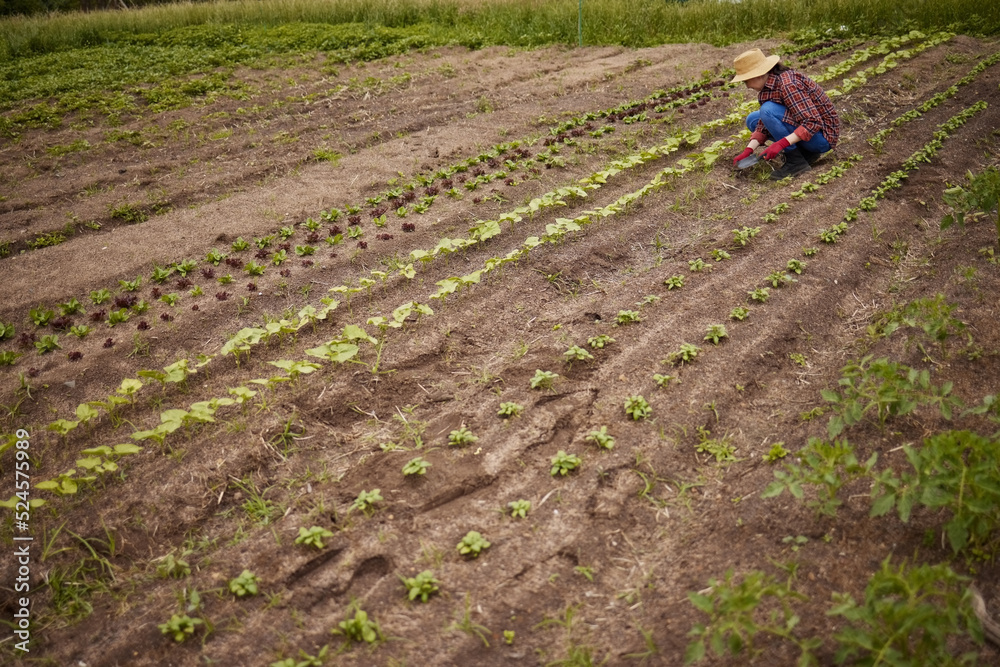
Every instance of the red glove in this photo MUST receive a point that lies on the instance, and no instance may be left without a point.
(772, 151)
(746, 153)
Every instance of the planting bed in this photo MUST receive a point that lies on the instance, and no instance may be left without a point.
(419, 243)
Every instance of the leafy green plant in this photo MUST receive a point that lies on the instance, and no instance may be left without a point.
(510, 409)
(718, 255)
(908, 617)
(796, 266)
(760, 294)
(721, 448)
(160, 274)
(131, 285)
(809, 252)
(119, 316)
(601, 438)
(421, 586)
(674, 282)
(170, 567)
(982, 192)
(954, 471)
(40, 316)
(734, 619)
(663, 381)
(563, 463)
(277, 258)
(170, 299)
(71, 307)
(472, 544)
(637, 408)
(600, 341)
(739, 313)
(687, 353)
(743, 235)
(313, 536)
(824, 465)
(519, 508)
(716, 332)
(627, 317)
(697, 265)
(416, 466)
(244, 585)
(180, 626)
(366, 501)
(80, 330)
(359, 628)
(462, 436)
(100, 296)
(254, 269)
(8, 358)
(577, 353)
(776, 453)
(240, 244)
(543, 379)
(885, 388)
(48, 343)
(779, 279)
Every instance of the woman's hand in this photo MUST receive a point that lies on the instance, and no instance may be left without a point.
(747, 152)
(772, 151)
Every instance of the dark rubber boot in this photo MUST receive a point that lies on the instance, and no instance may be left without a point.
(795, 163)
(811, 157)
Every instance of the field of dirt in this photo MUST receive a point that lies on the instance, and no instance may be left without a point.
(601, 567)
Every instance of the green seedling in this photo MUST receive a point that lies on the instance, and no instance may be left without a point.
(776, 452)
(637, 408)
(254, 269)
(716, 332)
(796, 266)
(760, 294)
(809, 252)
(663, 381)
(421, 586)
(416, 466)
(359, 628)
(244, 585)
(674, 282)
(577, 353)
(779, 278)
(627, 317)
(739, 313)
(277, 259)
(170, 299)
(600, 341)
(718, 255)
(174, 568)
(131, 285)
(472, 544)
(81, 330)
(180, 626)
(215, 257)
(8, 358)
(40, 317)
(720, 448)
(462, 436)
(742, 236)
(71, 307)
(100, 296)
(240, 244)
(687, 353)
(563, 463)
(6, 330)
(697, 265)
(48, 343)
(519, 508)
(313, 537)
(510, 409)
(543, 379)
(119, 316)
(366, 501)
(827, 466)
(601, 438)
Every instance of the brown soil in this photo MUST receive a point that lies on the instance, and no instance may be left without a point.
(620, 541)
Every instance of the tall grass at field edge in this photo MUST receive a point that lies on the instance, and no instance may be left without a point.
(632, 23)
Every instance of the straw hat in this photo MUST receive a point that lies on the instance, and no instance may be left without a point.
(753, 63)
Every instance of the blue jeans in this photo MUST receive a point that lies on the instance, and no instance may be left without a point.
(772, 113)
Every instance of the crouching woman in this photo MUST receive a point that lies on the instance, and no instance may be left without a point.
(795, 114)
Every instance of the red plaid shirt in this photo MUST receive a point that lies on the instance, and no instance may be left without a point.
(806, 106)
